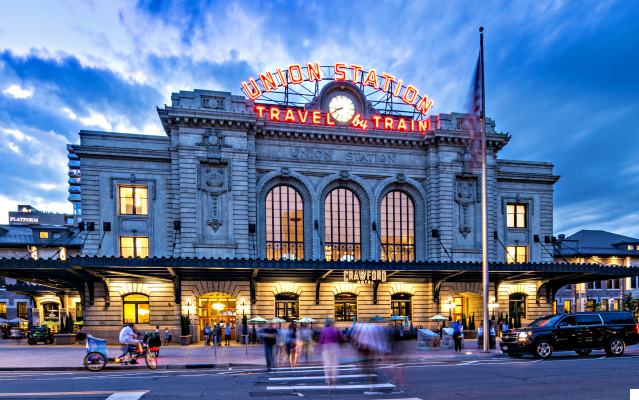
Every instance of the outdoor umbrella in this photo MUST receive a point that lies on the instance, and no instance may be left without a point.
(17, 320)
(439, 318)
(278, 320)
(50, 323)
(406, 321)
(377, 318)
(306, 320)
(395, 318)
(3, 321)
(257, 320)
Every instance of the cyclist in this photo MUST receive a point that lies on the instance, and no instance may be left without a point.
(127, 337)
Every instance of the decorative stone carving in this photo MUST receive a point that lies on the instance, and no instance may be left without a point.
(214, 177)
(213, 138)
(465, 197)
(215, 217)
(213, 103)
(465, 157)
(401, 178)
(344, 175)
(285, 172)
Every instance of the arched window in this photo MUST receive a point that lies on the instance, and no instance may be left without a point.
(398, 227)
(517, 303)
(287, 306)
(342, 226)
(400, 305)
(284, 224)
(136, 309)
(345, 307)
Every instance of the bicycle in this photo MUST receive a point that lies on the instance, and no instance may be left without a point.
(96, 358)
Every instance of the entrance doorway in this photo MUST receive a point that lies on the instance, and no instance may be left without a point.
(217, 308)
(459, 308)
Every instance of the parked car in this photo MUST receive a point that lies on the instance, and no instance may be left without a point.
(40, 334)
(580, 332)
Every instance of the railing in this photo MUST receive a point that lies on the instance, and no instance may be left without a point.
(343, 251)
(74, 163)
(74, 172)
(75, 189)
(398, 252)
(74, 180)
(285, 251)
(74, 196)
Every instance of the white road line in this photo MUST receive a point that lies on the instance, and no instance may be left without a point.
(311, 367)
(317, 377)
(126, 396)
(371, 386)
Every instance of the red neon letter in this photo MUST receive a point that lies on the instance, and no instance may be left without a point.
(401, 126)
(361, 123)
(388, 123)
(376, 119)
(371, 78)
(409, 99)
(398, 88)
(387, 81)
(275, 114)
(298, 70)
(254, 92)
(424, 105)
(281, 75)
(340, 74)
(260, 111)
(317, 118)
(412, 125)
(289, 116)
(329, 122)
(423, 126)
(356, 69)
(302, 118)
(268, 81)
(313, 72)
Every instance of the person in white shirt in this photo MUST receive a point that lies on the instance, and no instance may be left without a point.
(127, 336)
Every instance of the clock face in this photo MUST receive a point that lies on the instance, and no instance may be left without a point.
(342, 108)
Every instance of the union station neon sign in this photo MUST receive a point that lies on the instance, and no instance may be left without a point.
(296, 74)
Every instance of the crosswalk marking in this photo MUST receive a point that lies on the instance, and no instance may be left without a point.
(137, 393)
(126, 396)
(369, 386)
(290, 378)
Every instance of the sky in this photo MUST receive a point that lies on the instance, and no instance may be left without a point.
(561, 79)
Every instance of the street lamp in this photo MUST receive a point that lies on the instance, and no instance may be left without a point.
(188, 307)
(450, 308)
(243, 308)
(492, 305)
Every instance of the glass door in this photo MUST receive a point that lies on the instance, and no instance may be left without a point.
(458, 310)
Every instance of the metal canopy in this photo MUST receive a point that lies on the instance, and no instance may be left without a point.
(73, 273)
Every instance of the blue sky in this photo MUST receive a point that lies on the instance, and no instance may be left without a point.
(561, 78)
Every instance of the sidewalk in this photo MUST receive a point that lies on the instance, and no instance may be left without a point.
(52, 357)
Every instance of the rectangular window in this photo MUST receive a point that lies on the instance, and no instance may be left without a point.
(594, 285)
(604, 304)
(567, 306)
(134, 247)
(615, 305)
(516, 254)
(133, 200)
(44, 235)
(79, 312)
(633, 282)
(22, 310)
(631, 247)
(3, 310)
(56, 235)
(69, 221)
(516, 216)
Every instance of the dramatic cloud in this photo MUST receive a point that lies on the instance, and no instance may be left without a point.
(560, 78)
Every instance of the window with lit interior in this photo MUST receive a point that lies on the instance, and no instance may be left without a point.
(517, 254)
(3, 310)
(136, 309)
(284, 224)
(345, 307)
(136, 247)
(342, 226)
(516, 215)
(287, 306)
(397, 227)
(134, 200)
(400, 305)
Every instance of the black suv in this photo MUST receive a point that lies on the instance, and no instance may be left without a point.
(580, 332)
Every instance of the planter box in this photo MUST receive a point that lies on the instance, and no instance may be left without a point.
(185, 340)
(64, 338)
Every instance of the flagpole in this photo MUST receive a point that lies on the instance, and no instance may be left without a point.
(484, 213)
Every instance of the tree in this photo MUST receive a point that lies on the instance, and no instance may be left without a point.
(471, 325)
(510, 320)
(70, 323)
(63, 326)
(591, 304)
(184, 325)
(463, 320)
(630, 304)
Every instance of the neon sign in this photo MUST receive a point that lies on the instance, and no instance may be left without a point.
(299, 116)
(294, 75)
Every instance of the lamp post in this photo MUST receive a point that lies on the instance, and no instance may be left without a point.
(450, 309)
(243, 308)
(188, 307)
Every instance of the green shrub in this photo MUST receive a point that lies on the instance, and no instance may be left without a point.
(184, 325)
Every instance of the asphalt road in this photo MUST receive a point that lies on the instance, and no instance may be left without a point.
(562, 377)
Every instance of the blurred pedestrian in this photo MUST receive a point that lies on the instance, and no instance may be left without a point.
(218, 333)
(457, 335)
(166, 336)
(292, 344)
(227, 334)
(329, 340)
(307, 343)
(207, 334)
(270, 339)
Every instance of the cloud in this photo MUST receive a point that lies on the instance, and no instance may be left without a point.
(17, 92)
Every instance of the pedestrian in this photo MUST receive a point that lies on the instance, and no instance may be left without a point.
(307, 344)
(227, 334)
(292, 344)
(504, 325)
(207, 334)
(270, 339)
(458, 335)
(329, 340)
(166, 336)
(218, 333)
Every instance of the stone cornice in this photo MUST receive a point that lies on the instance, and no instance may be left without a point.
(134, 154)
(526, 177)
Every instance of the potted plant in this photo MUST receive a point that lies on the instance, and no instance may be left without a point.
(185, 332)
(66, 335)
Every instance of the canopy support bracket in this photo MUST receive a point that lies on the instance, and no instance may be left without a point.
(375, 287)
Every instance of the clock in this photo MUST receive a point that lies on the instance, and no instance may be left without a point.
(341, 108)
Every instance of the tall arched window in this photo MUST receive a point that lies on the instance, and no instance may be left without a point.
(136, 309)
(517, 304)
(345, 306)
(287, 306)
(342, 226)
(284, 224)
(398, 227)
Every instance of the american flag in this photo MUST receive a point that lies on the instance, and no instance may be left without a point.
(473, 120)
